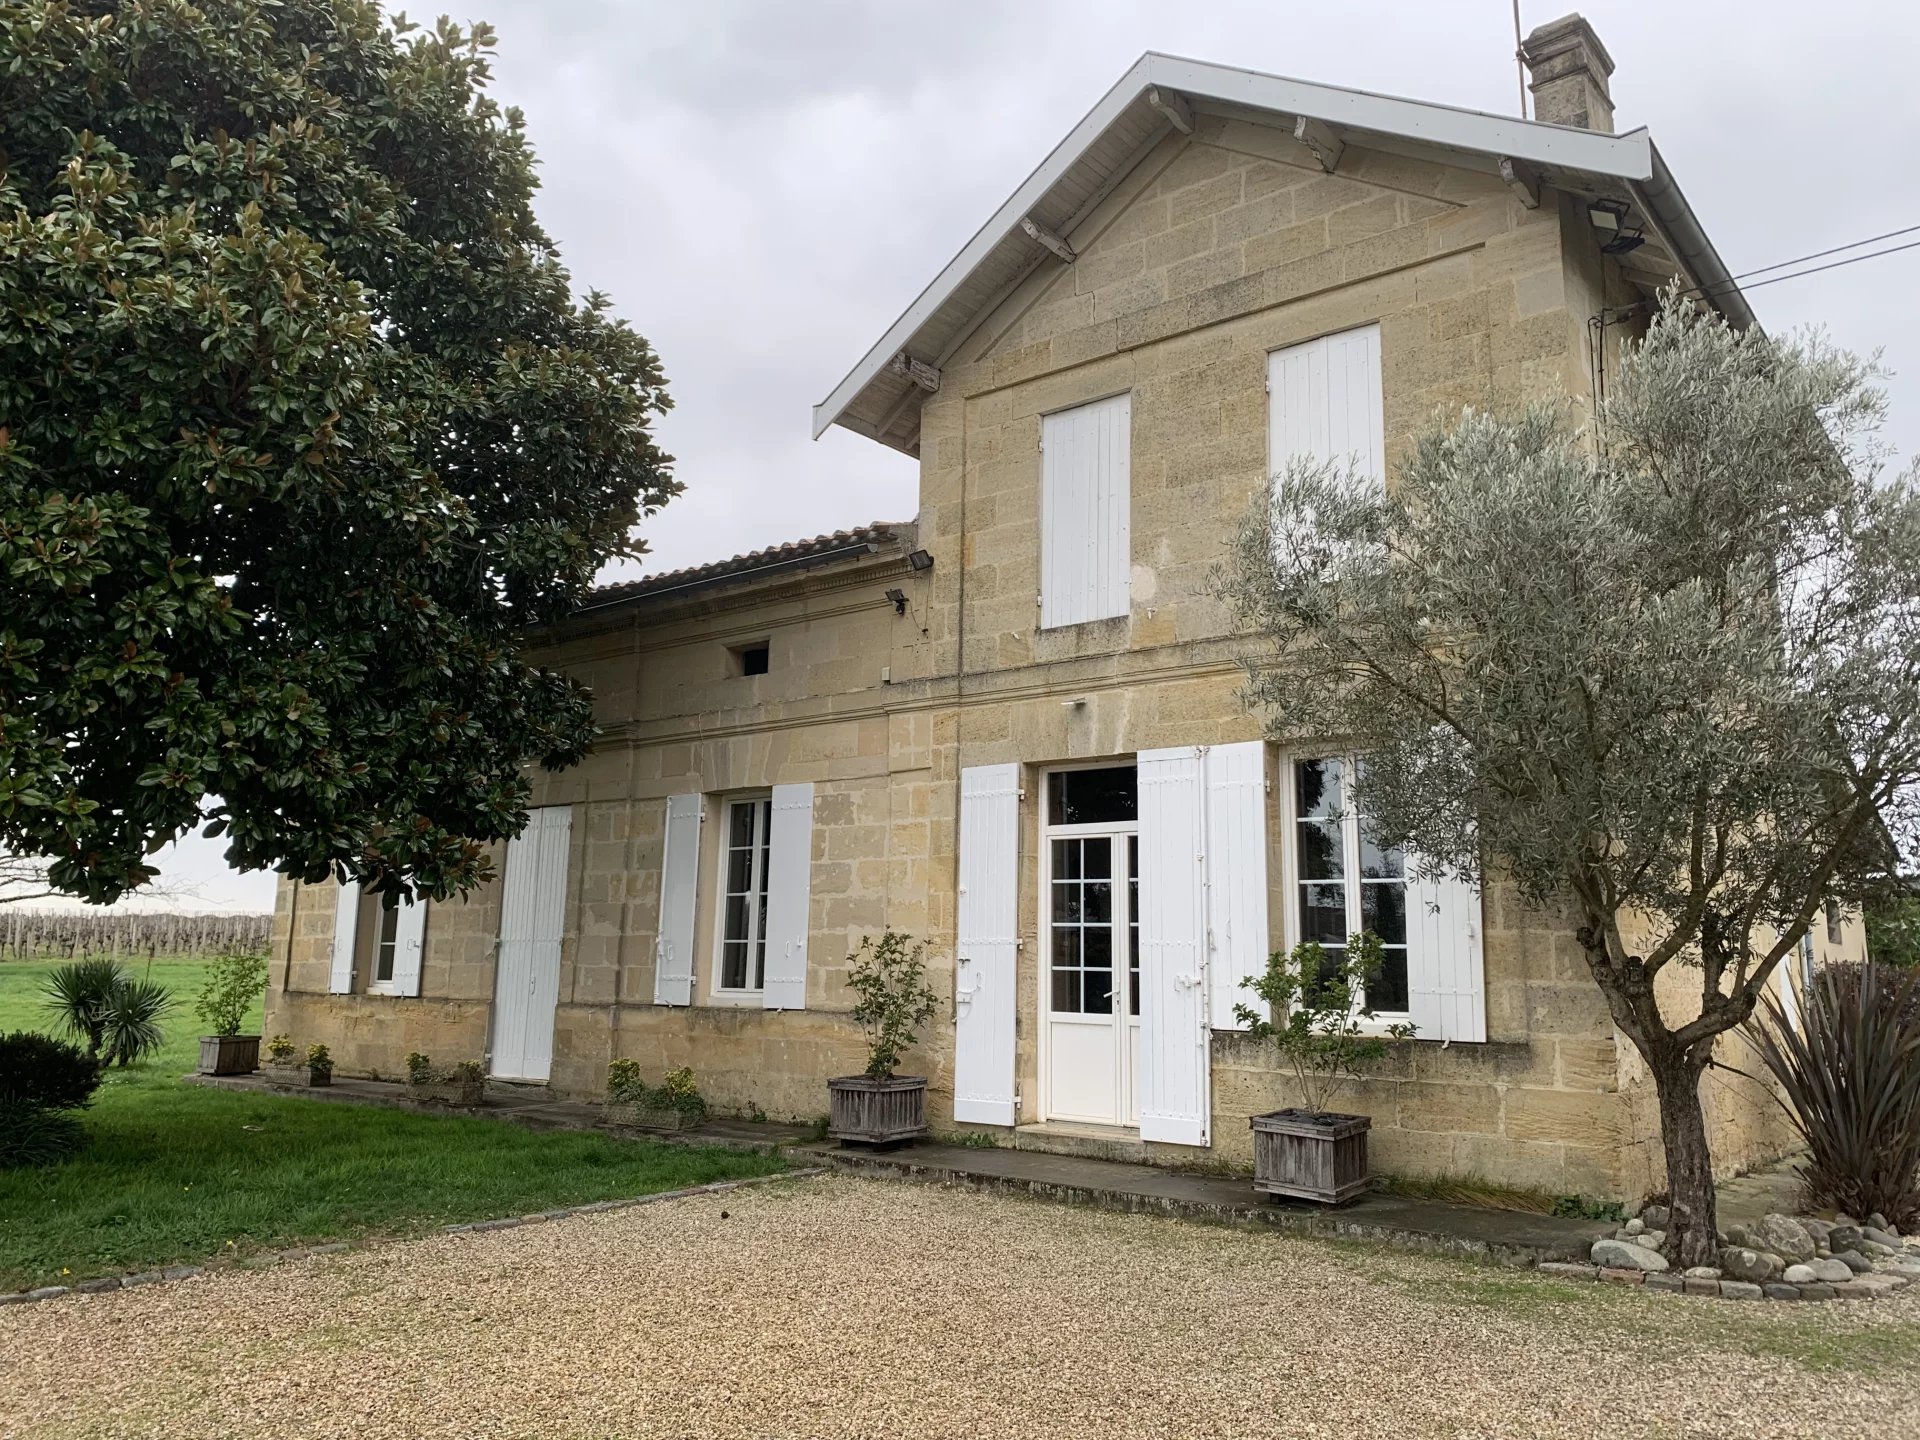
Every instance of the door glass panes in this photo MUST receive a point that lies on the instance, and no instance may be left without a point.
(1092, 797)
(388, 935)
(1133, 924)
(1080, 923)
(743, 912)
(1348, 881)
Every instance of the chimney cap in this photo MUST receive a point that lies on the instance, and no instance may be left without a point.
(1556, 37)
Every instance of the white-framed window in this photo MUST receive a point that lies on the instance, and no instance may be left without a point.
(1085, 512)
(1340, 881)
(1324, 401)
(740, 966)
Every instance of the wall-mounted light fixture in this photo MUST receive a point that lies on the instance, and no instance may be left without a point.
(920, 560)
(1609, 217)
(899, 599)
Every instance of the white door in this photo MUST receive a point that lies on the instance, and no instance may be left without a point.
(533, 909)
(1091, 996)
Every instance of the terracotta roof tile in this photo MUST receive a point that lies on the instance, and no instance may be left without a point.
(880, 532)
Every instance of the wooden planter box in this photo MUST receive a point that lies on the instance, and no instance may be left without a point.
(463, 1093)
(229, 1054)
(639, 1115)
(1309, 1156)
(877, 1112)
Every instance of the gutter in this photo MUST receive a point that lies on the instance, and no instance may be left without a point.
(1660, 198)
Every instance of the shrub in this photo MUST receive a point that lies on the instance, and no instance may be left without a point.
(280, 1050)
(1320, 1034)
(419, 1069)
(320, 1058)
(889, 974)
(234, 982)
(626, 1086)
(1851, 1074)
(34, 1135)
(117, 1015)
(45, 1073)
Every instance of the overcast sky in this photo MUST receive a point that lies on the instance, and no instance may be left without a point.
(763, 186)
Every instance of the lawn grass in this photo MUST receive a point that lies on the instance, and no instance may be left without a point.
(177, 1173)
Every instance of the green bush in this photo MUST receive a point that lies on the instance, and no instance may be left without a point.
(234, 983)
(117, 1015)
(889, 974)
(676, 1091)
(34, 1135)
(1322, 1029)
(45, 1073)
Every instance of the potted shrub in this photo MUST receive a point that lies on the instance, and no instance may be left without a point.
(463, 1083)
(282, 1063)
(234, 984)
(319, 1065)
(1310, 1151)
(674, 1104)
(889, 974)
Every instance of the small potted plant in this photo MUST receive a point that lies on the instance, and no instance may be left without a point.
(889, 974)
(282, 1063)
(462, 1084)
(234, 984)
(674, 1104)
(319, 1065)
(1325, 1035)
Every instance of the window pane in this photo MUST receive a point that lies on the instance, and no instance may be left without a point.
(739, 871)
(1099, 902)
(1066, 902)
(1387, 988)
(1098, 858)
(1323, 913)
(1066, 947)
(1066, 992)
(1107, 796)
(1383, 910)
(733, 966)
(1321, 856)
(757, 978)
(736, 918)
(1097, 946)
(1378, 862)
(1133, 924)
(1318, 789)
(740, 824)
(383, 963)
(1097, 993)
(1066, 859)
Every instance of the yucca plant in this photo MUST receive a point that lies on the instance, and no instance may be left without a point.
(1850, 1071)
(116, 1015)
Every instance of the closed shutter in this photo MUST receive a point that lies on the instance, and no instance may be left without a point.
(679, 881)
(533, 913)
(1790, 1001)
(346, 929)
(1324, 401)
(789, 886)
(1085, 520)
(985, 969)
(409, 946)
(1175, 1038)
(1236, 873)
(1446, 973)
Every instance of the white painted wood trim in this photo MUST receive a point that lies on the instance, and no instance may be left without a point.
(346, 930)
(789, 893)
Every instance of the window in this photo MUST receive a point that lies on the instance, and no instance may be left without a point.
(1323, 401)
(386, 940)
(1344, 881)
(743, 903)
(1833, 922)
(752, 659)
(1085, 495)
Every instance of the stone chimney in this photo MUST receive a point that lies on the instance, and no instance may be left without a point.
(1569, 67)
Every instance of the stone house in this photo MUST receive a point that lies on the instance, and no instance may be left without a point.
(1011, 726)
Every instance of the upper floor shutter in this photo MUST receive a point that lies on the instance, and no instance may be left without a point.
(346, 928)
(1323, 401)
(789, 891)
(679, 877)
(1085, 520)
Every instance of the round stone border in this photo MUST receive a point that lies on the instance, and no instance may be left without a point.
(103, 1283)
(1865, 1286)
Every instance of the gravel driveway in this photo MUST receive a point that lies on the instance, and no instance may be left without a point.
(840, 1307)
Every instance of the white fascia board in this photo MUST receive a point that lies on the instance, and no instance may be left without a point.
(1626, 157)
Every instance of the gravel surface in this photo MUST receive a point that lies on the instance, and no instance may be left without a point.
(841, 1307)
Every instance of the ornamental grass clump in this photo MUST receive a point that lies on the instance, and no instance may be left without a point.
(1322, 1033)
(889, 974)
(117, 1016)
(1850, 1070)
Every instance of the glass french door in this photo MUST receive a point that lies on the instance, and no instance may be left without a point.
(1093, 975)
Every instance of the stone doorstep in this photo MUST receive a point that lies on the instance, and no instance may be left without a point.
(104, 1283)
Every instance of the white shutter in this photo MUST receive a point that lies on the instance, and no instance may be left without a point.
(533, 913)
(789, 885)
(1085, 521)
(1236, 873)
(1446, 973)
(985, 969)
(1324, 401)
(409, 943)
(1789, 1001)
(1175, 1038)
(346, 928)
(679, 882)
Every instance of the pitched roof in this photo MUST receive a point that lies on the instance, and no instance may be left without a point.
(1163, 92)
(793, 555)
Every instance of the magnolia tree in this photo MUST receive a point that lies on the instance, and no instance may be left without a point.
(1662, 674)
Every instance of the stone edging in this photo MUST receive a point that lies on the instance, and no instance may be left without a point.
(1861, 1287)
(103, 1283)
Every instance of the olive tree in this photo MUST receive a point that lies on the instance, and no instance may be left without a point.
(1662, 673)
(302, 427)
